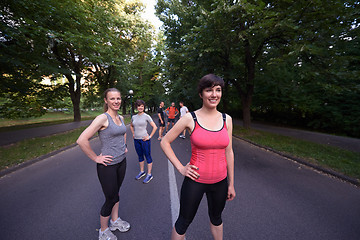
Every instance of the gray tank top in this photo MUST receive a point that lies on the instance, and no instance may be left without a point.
(112, 140)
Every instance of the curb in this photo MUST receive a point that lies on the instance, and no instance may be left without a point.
(340, 176)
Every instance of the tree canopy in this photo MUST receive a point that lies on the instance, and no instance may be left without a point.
(90, 43)
(281, 60)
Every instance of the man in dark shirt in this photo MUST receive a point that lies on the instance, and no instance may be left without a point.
(161, 120)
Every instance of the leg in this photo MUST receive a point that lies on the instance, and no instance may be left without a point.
(121, 169)
(109, 182)
(190, 198)
(160, 131)
(176, 236)
(217, 231)
(142, 166)
(140, 153)
(147, 152)
(115, 212)
(216, 197)
(104, 223)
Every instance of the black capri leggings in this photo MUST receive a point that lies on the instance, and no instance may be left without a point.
(111, 178)
(190, 198)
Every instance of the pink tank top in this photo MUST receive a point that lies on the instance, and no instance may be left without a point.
(208, 152)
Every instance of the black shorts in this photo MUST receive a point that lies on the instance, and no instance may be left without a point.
(161, 124)
(171, 120)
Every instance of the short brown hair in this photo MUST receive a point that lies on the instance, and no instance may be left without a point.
(210, 80)
(139, 102)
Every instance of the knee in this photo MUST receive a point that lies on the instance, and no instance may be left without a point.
(215, 220)
(182, 225)
(108, 206)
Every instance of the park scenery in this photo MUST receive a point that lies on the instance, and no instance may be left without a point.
(292, 88)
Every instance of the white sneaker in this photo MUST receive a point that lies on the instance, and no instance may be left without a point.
(119, 224)
(106, 235)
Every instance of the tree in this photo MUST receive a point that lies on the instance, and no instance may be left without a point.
(234, 38)
(70, 38)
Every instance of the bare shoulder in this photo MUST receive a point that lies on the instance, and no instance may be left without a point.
(101, 117)
(100, 120)
(188, 116)
(228, 117)
(228, 121)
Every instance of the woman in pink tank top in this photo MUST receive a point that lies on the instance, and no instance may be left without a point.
(211, 167)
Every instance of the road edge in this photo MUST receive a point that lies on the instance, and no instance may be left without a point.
(27, 163)
(330, 172)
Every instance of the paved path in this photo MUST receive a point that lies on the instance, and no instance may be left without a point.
(277, 199)
(10, 137)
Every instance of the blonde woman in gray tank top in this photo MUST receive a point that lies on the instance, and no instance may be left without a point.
(110, 163)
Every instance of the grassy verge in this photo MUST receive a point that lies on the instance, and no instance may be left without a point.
(50, 118)
(32, 148)
(334, 158)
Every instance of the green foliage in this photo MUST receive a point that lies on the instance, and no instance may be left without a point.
(91, 43)
(288, 61)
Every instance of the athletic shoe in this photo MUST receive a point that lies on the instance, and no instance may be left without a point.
(121, 225)
(106, 235)
(148, 178)
(140, 175)
(181, 136)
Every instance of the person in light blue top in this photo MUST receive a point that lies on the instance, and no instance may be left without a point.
(110, 163)
(142, 141)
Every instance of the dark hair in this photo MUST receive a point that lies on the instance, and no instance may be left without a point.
(105, 96)
(210, 80)
(139, 102)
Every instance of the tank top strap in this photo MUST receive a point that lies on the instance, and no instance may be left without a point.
(194, 116)
(122, 122)
(109, 118)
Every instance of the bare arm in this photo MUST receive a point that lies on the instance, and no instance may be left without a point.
(230, 161)
(132, 129)
(126, 150)
(160, 118)
(84, 143)
(185, 122)
(154, 129)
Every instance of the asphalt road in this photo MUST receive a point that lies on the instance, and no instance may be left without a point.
(60, 198)
(10, 137)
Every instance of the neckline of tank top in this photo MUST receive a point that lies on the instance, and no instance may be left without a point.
(206, 128)
(114, 121)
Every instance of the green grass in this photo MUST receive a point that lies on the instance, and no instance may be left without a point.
(334, 158)
(50, 118)
(32, 148)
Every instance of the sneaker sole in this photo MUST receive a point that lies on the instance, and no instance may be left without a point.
(140, 177)
(114, 229)
(149, 180)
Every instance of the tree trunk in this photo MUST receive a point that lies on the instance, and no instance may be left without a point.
(75, 95)
(246, 100)
(246, 96)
